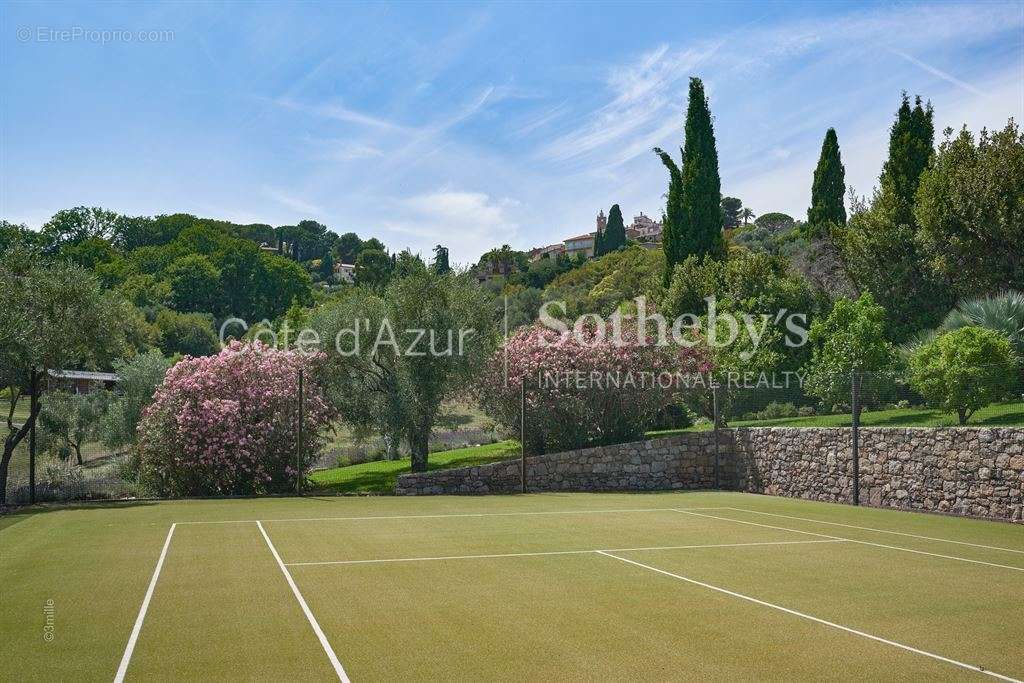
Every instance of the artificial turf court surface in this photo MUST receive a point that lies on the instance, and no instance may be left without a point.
(686, 586)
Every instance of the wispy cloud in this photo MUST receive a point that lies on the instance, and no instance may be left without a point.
(291, 201)
(338, 112)
(643, 95)
(469, 222)
(939, 73)
(647, 95)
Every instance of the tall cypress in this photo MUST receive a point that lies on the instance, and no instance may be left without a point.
(910, 147)
(614, 232)
(828, 189)
(693, 215)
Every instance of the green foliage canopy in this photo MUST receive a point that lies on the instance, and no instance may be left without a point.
(964, 370)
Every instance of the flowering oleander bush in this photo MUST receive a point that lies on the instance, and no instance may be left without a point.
(587, 389)
(226, 424)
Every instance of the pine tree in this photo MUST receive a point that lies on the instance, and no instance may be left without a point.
(731, 207)
(693, 214)
(615, 231)
(828, 189)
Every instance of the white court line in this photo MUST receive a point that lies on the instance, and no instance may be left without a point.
(556, 552)
(442, 516)
(855, 540)
(137, 628)
(802, 615)
(338, 668)
(882, 531)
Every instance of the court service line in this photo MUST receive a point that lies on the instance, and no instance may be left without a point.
(122, 669)
(441, 516)
(338, 668)
(882, 531)
(818, 620)
(555, 552)
(857, 541)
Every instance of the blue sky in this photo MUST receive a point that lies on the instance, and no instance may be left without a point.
(471, 125)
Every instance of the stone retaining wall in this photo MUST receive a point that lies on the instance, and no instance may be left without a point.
(974, 471)
(685, 461)
(962, 470)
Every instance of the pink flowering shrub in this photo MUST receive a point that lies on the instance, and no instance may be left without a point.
(226, 424)
(585, 390)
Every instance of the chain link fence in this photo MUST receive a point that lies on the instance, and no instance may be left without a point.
(579, 415)
(560, 416)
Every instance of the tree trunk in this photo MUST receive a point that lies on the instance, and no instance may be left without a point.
(78, 453)
(962, 415)
(392, 447)
(10, 443)
(4, 464)
(418, 444)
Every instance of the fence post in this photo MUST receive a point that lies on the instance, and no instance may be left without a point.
(522, 434)
(855, 409)
(298, 440)
(714, 410)
(33, 403)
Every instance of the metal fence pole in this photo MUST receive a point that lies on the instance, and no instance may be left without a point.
(855, 409)
(33, 402)
(298, 440)
(714, 410)
(522, 434)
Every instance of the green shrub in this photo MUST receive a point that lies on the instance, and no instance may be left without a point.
(964, 370)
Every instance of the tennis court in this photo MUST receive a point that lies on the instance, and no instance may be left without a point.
(662, 586)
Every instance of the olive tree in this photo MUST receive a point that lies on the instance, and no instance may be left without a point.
(56, 315)
(72, 419)
(394, 357)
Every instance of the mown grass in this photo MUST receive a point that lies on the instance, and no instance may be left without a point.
(381, 476)
(1003, 414)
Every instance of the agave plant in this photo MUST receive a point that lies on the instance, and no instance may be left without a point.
(920, 338)
(1003, 312)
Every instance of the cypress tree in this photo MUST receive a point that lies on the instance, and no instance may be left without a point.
(693, 215)
(910, 147)
(327, 266)
(599, 249)
(614, 232)
(828, 189)
(441, 265)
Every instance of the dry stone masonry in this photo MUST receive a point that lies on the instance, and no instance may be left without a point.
(677, 462)
(962, 470)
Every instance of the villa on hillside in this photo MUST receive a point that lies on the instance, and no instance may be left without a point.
(345, 272)
(644, 230)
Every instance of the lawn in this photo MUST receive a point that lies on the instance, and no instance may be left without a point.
(380, 476)
(1002, 414)
(664, 586)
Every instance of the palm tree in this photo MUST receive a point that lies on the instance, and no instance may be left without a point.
(1003, 312)
(746, 214)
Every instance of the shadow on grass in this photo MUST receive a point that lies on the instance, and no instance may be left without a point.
(1005, 420)
(380, 477)
(21, 514)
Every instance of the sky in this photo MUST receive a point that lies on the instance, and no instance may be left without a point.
(468, 125)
